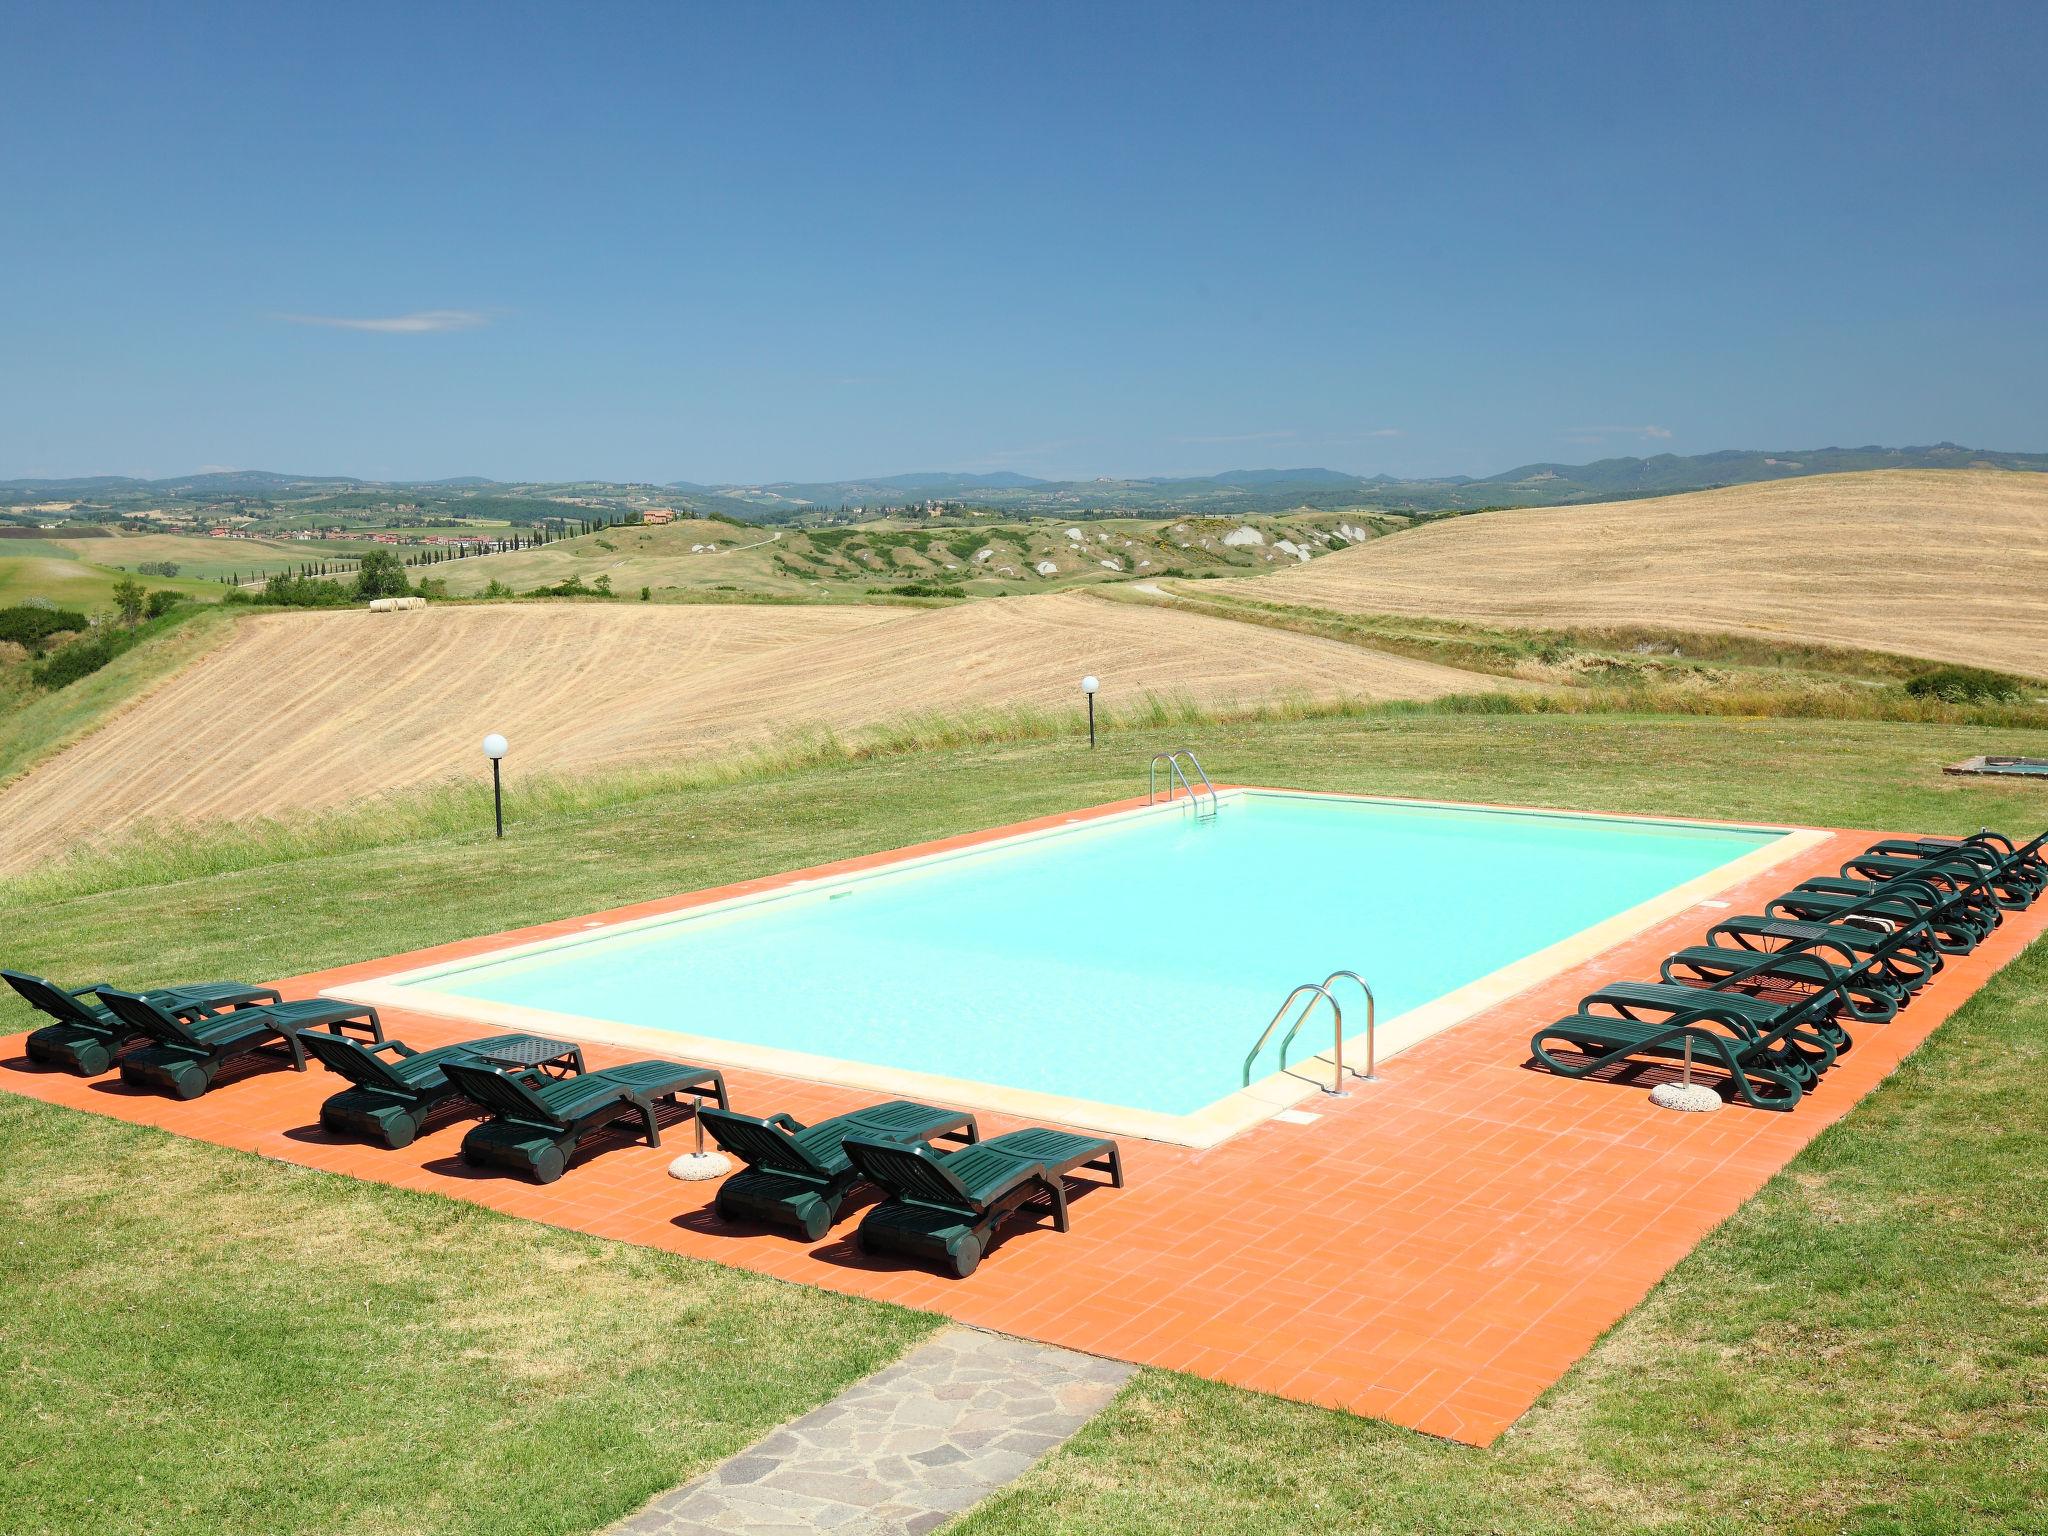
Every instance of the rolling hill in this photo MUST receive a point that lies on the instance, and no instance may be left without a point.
(1950, 566)
(1237, 492)
(707, 556)
(308, 711)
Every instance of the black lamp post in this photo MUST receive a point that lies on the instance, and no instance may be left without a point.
(495, 748)
(1088, 686)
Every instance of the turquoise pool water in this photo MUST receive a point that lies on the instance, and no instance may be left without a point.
(1132, 962)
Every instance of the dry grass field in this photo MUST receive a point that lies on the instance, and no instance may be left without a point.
(1946, 564)
(307, 711)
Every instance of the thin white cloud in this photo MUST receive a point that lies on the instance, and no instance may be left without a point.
(1243, 437)
(1388, 432)
(419, 322)
(1594, 434)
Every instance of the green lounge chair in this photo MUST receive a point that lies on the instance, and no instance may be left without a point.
(1771, 1052)
(798, 1176)
(536, 1122)
(946, 1207)
(1956, 925)
(1907, 956)
(185, 1056)
(1957, 881)
(87, 1036)
(2014, 886)
(2021, 869)
(390, 1099)
(1808, 957)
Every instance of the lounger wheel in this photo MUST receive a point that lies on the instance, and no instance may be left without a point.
(88, 1059)
(817, 1221)
(399, 1132)
(965, 1256)
(549, 1164)
(180, 1079)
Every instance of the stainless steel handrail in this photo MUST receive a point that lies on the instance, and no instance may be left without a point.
(1322, 990)
(1274, 1023)
(1174, 773)
(1371, 1073)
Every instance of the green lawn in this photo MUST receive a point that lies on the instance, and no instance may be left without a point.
(1860, 1350)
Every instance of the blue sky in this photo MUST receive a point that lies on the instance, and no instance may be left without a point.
(751, 242)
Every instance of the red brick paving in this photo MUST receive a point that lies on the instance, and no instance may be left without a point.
(1435, 1250)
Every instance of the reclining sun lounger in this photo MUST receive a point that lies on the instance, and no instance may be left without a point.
(2021, 869)
(1906, 955)
(87, 1036)
(2014, 880)
(798, 1176)
(536, 1122)
(185, 1057)
(1771, 1052)
(391, 1098)
(1957, 922)
(946, 1207)
(1804, 957)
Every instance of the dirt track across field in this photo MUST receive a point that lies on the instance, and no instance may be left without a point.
(307, 711)
(1946, 564)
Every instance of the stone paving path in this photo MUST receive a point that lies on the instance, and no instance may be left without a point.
(901, 1452)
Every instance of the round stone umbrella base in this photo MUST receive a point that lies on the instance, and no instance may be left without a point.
(699, 1165)
(1692, 1098)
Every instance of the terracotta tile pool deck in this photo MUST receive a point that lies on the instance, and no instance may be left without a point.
(1435, 1250)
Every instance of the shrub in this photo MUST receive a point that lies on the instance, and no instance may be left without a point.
(302, 592)
(32, 625)
(1966, 685)
(919, 589)
(163, 568)
(574, 587)
(646, 593)
(80, 660)
(129, 598)
(160, 602)
(381, 575)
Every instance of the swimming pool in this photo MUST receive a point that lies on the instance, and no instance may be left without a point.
(1113, 970)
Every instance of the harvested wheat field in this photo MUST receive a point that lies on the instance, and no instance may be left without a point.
(1946, 564)
(307, 711)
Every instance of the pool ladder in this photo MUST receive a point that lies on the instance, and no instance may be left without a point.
(1320, 991)
(1176, 776)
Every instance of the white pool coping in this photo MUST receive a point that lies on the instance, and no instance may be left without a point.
(1205, 1127)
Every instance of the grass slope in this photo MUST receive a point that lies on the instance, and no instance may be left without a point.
(33, 725)
(202, 560)
(1860, 1350)
(80, 573)
(1951, 565)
